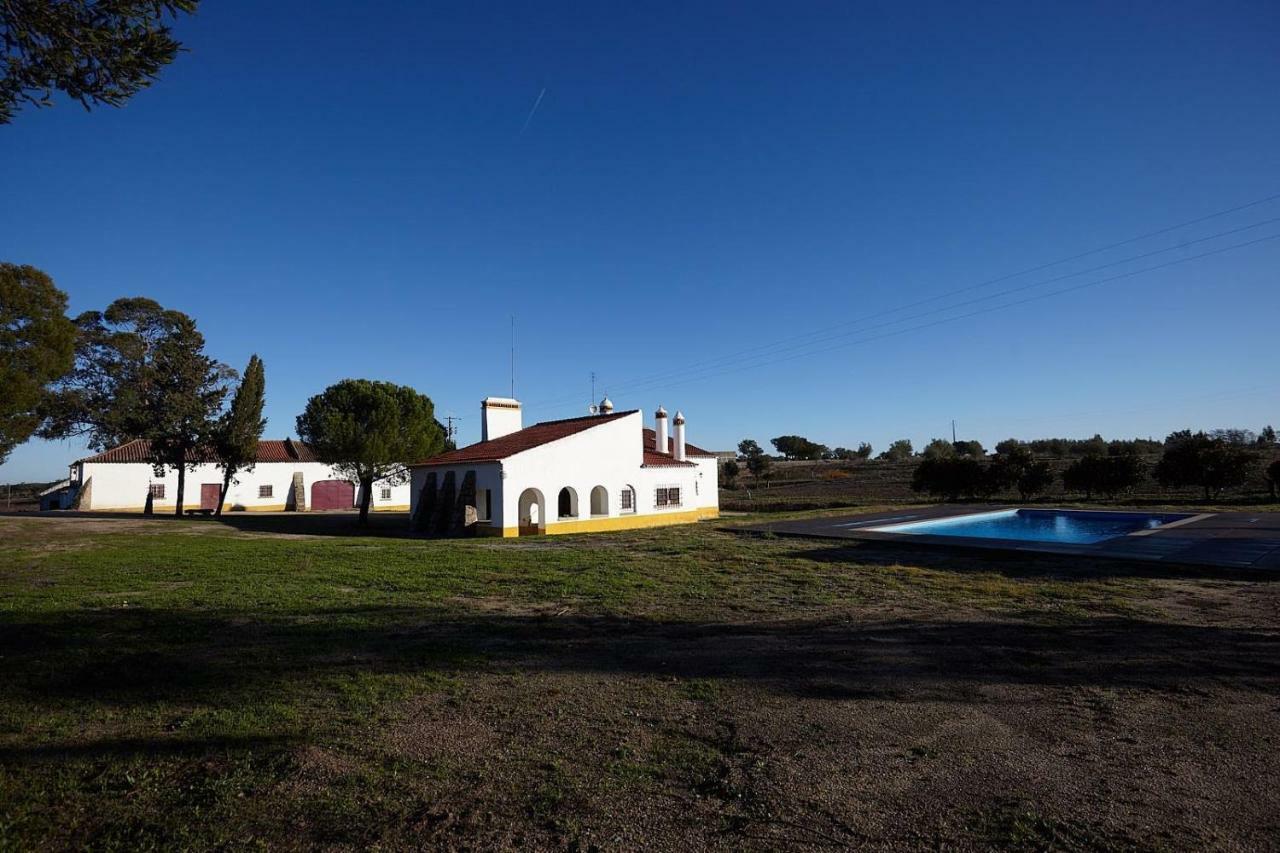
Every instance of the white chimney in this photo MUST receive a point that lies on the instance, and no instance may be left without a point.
(660, 430)
(499, 416)
(679, 450)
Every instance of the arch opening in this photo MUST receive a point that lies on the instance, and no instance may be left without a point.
(599, 501)
(532, 512)
(567, 503)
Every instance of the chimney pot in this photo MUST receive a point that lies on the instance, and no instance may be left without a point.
(660, 430)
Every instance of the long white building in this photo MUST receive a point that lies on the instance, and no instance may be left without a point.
(286, 476)
(606, 471)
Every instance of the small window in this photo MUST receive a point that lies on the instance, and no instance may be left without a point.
(386, 493)
(627, 499)
(157, 491)
(265, 491)
(667, 496)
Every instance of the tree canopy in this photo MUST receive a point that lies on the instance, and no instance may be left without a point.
(140, 372)
(37, 347)
(798, 447)
(95, 51)
(899, 451)
(1105, 475)
(370, 430)
(757, 462)
(1212, 462)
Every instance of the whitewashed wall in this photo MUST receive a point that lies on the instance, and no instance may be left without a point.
(608, 455)
(124, 485)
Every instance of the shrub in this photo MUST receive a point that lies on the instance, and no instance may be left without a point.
(1035, 480)
(951, 477)
(939, 448)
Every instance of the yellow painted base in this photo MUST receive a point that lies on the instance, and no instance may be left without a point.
(603, 525)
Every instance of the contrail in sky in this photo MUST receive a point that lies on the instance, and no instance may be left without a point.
(529, 117)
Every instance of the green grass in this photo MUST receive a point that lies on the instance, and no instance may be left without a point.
(173, 684)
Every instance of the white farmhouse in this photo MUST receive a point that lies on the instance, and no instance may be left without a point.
(286, 476)
(605, 471)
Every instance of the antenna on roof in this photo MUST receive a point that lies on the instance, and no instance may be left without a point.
(591, 401)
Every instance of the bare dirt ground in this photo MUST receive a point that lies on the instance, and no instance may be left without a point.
(868, 728)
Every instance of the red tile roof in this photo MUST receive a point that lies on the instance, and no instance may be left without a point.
(269, 450)
(654, 459)
(689, 449)
(497, 449)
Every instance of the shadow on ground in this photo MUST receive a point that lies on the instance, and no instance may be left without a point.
(133, 658)
(335, 523)
(1021, 564)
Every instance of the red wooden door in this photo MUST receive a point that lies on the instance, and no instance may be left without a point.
(209, 494)
(332, 494)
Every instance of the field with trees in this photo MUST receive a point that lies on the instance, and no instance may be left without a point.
(1231, 466)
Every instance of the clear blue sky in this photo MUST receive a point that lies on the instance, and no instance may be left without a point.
(346, 189)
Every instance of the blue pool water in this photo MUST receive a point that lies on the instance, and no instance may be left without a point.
(1079, 527)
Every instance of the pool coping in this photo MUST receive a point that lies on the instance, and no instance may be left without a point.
(1234, 540)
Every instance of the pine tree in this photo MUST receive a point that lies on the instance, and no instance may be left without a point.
(186, 391)
(140, 372)
(237, 433)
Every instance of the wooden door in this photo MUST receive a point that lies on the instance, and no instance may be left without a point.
(209, 494)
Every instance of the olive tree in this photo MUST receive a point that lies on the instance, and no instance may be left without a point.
(369, 431)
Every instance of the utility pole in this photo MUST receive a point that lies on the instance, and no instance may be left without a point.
(953, 430)
(451, 431)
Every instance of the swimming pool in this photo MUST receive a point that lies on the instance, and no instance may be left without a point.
(1077, 527)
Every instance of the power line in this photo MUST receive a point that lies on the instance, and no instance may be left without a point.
(974, 313)
(762, 348)
(1008, 291)
(658, 380)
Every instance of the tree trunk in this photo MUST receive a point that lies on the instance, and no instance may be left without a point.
(366, 495)
(182, 482)
(222, 495)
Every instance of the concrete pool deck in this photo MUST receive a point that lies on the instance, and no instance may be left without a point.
(1237, 539)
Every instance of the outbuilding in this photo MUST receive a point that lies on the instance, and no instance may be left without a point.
(285, 476)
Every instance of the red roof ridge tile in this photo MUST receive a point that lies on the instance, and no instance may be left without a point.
(138, 450)
(536, 435)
